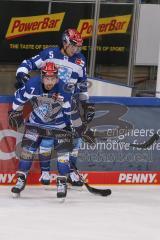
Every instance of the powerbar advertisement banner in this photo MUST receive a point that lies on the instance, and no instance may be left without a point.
(26, 28)
(118, 122)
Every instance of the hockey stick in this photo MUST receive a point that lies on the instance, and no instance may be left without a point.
(148, 143)
(65, 137)
(49, 131)
(102, 192)
(64, 134)
(46, 130)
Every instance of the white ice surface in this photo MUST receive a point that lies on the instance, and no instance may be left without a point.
(130, 213)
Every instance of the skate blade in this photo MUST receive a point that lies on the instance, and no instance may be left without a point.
(15, 195)
(61, 200)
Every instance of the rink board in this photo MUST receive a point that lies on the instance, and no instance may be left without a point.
(111, 161)
(99, 178)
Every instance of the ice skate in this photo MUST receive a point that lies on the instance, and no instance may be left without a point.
(45, 178)
(61, 187)
(74, 180)
(20, 185)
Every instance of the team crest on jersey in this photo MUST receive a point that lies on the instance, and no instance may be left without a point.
(64, 73)
(80, 62)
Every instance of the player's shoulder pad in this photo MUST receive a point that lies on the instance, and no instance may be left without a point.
(49, 52)
(80, 59)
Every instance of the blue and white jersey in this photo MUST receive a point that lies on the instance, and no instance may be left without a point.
(50, 108)
(72, 70)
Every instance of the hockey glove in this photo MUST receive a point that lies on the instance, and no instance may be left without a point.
(89, 111)
(22, 78)
(87, 135)
(68, 128)
(15, 118)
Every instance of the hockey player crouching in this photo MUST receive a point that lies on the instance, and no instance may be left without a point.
(48, 111)
(72, 64)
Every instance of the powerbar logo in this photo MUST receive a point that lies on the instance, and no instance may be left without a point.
(109, 25)
(35, 24)
(137, 178)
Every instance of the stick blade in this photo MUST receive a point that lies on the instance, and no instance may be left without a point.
(102, 192)
(148, 143)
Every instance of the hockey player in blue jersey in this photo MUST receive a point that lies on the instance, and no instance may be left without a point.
(72, 70)
(52, 108)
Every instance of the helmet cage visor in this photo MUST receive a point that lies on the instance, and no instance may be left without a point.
(73, 38)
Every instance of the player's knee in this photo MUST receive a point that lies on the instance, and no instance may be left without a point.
(45, 151)
(26, 154)
(44, 156)
(63, 164)
(63, 158)
(47, 143)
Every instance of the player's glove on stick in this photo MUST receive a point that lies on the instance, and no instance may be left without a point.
(87, 135)
(89, 111)
(22, 78)
(15, 118)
